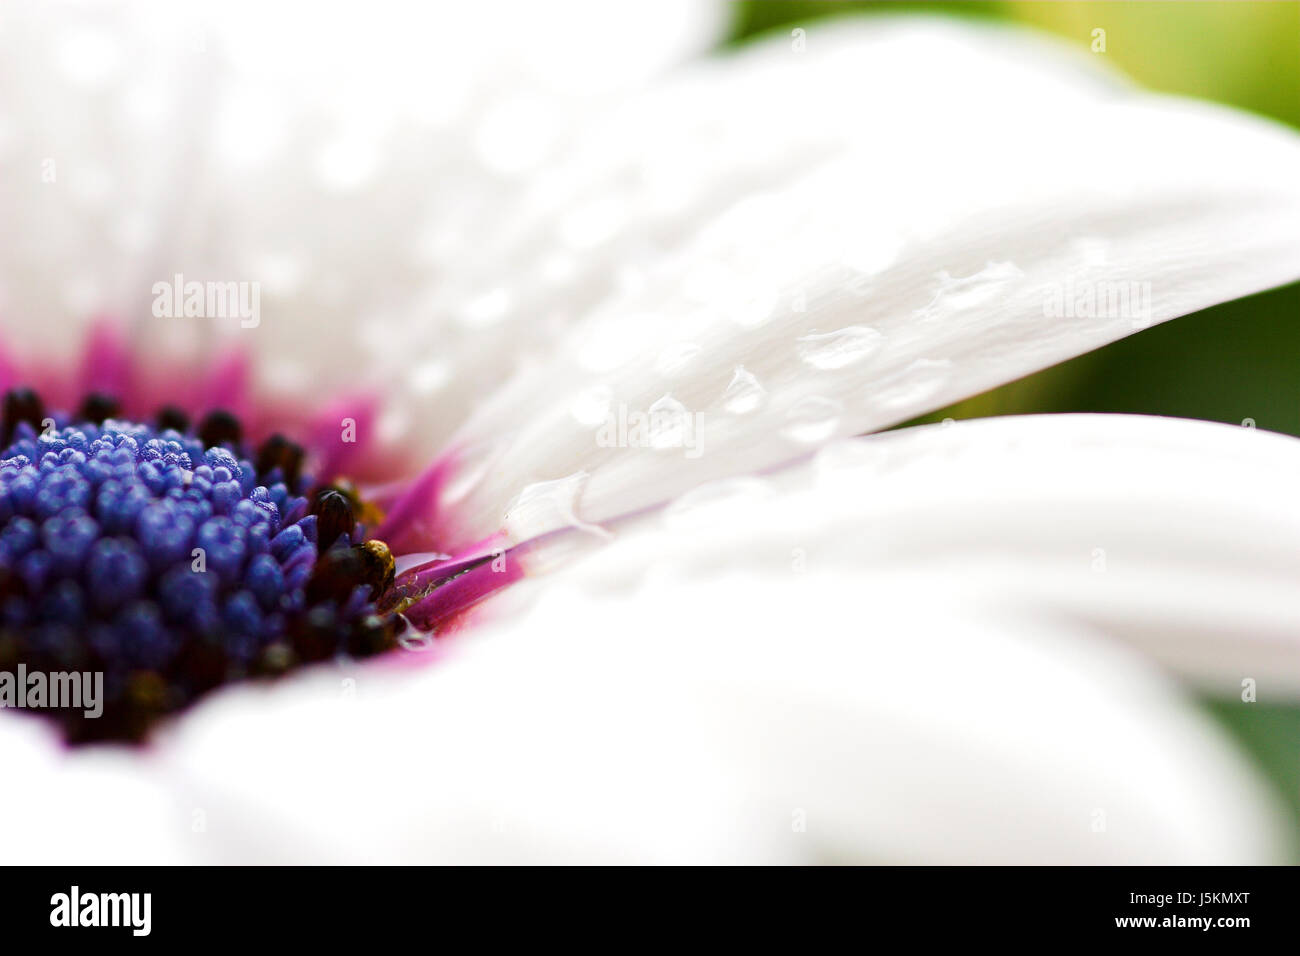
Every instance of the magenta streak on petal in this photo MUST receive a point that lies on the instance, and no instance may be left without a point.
(106, 361)
(8, 371)
(465, 591)
(342, 433)
(409, 521)
(227, 387)
(425, 575)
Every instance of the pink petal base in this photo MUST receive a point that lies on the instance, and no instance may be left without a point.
(339, 439)
(462, 592)
(110, 364)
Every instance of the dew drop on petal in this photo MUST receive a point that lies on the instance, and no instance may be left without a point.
(841, 348)
(744, 394)
(413, 638)
(812, 419)
(487, 309)
(590, 407)
(669, 424)
(546, 505)
(429, 377)
(674, 358)
(415, 559)
(959, 293)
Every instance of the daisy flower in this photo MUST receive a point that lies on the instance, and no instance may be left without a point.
(447, 433)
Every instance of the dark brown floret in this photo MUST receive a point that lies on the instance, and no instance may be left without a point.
(334, 517)
(372, 634)
(278, 452)
(21, 405)
(336, 573)
(173, 418)
(98, 408)
(220, 429)
(315, 635)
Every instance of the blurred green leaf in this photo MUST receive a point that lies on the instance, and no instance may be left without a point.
(1271, 734)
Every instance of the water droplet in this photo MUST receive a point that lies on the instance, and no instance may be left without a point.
(415, 559)
(671, 425)
(956, 294)
(429, 377)
(841, 348)
(547, 506)
(744, 394)
(413, 639)
(591, 406)
(812, 419)
(674, 358)
(487, 309)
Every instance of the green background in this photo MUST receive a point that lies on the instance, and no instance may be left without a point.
(1235, 361)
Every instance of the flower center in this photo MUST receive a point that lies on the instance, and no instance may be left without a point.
(171, 559)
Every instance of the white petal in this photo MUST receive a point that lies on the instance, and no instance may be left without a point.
(736, 718)
(1181, 538)
(102, 806)
(347, 162)
(866, 256)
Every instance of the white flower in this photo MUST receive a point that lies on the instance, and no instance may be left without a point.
(929, 645)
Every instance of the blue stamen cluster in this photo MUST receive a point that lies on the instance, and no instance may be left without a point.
(173, 564)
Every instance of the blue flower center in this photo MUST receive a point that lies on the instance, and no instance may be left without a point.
(172, 560)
